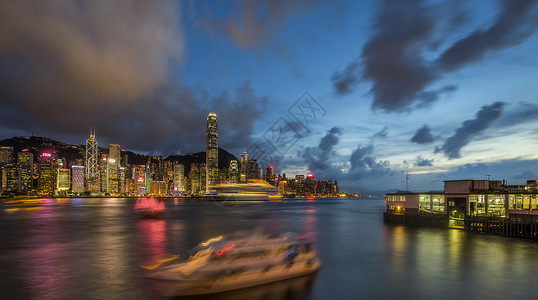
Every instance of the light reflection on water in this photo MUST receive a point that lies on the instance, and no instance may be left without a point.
(93, 248)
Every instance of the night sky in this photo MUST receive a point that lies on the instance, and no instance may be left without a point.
(358, 91)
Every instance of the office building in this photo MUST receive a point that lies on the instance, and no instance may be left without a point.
(113, 168)
(63, 180)
(244, 162)
(25, 160)
(212, 152)
(233, 171)
(179, 178)
(6, 155)
(92, 167)
(77, 179)
(45, 181)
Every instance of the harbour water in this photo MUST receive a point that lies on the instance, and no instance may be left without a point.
(93, 249)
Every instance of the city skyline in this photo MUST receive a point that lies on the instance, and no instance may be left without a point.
(442, 90)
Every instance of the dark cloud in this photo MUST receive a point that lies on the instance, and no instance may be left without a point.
(518, 113)
(516, 21)
(318, 159)
(422, 162)
(405, 32)
(468, 171)
(423, 135)
(362, 163)
(254, 23)
(86, 68)
(344, 81)
(471, 128)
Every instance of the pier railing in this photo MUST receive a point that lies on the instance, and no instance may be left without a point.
(512, 227)
(501, 226)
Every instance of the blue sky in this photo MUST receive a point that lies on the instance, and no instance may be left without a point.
(440, 89)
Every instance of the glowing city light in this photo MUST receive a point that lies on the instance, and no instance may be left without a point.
(46, 154)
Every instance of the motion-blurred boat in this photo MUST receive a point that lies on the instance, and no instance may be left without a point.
(253, 190)
(220, 265)
(150, 207)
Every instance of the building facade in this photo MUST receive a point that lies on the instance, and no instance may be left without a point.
(212, 152)
(77, 179)
(92, 164)
(46, 180)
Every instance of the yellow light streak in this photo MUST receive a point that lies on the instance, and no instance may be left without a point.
(160, 262)
(208, 242)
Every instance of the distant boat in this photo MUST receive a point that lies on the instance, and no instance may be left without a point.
(150, 207)
(253, 190)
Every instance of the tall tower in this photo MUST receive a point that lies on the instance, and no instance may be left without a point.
(113, 165)
(92, 169)
(212, 152)
(45, 181)
(244, 161)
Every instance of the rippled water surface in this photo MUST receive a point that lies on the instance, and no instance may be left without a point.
(94, 249)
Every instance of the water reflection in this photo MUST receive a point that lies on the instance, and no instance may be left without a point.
(153, 239)
(44, 257)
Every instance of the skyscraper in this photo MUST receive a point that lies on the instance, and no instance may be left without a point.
(233, 171)
(77, 179)
(92, 170)
(113, 168)
(63, 181)
(212, 152)
(25, 160)
(6, 155)
(179, 177)
(244, 161)
(45, 181)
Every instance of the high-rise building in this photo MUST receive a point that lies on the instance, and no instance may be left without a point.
(139, 180)
(121, 182)
(244, 162)
(45, 181)
(77, 179)
(10, 178)
(103, 179)
(6, 155)
(63, 180)
(212, 152)
(270, 175)
(197, 177)
(92, 168)
(252, 169)
(179, 177)
(234, 171)
(25, 160)
(113, 168)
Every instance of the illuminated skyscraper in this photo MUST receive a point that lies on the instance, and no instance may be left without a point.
(63, 181)
(25, 160)
(92, 169)
(45, 181)
(113, 168)
(179, 177)
(234, 171)
(77, 179)
(244, 161)
(212, 152)
(6, 155)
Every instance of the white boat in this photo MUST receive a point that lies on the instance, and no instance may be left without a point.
(253, 190)
(220, 265)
